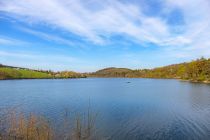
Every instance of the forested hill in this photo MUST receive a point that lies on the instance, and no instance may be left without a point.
(9, 72)
(197, 70)
(112, 72)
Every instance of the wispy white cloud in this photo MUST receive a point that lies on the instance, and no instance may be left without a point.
(30, 55)
(79, 17)
(4, 40)
(97, 21)
(40, 61)
(50, 37)
(194, 41)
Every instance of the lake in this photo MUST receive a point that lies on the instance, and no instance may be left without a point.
(127, 108)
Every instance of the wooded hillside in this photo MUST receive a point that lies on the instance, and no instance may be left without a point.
(197, 70)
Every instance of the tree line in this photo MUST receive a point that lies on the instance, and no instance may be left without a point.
(196, 70)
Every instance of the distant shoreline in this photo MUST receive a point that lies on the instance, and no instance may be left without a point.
(194, 81)
(39, 78)
(182, 80)
(197, 71)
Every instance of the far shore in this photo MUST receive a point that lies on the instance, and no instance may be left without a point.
(182, 80)
(195, 81)
(39, 78)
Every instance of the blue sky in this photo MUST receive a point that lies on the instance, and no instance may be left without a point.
(87, 35)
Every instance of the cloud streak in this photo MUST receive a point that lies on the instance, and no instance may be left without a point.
(40, 61)
(98, 21)
(50, 37)
(4, 40)
(79, 17)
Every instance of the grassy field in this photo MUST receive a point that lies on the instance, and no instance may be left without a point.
(16, 73)
(8, 72)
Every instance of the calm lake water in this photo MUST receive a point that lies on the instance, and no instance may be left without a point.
(128, 109)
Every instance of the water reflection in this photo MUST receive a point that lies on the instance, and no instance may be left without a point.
(199, 96)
